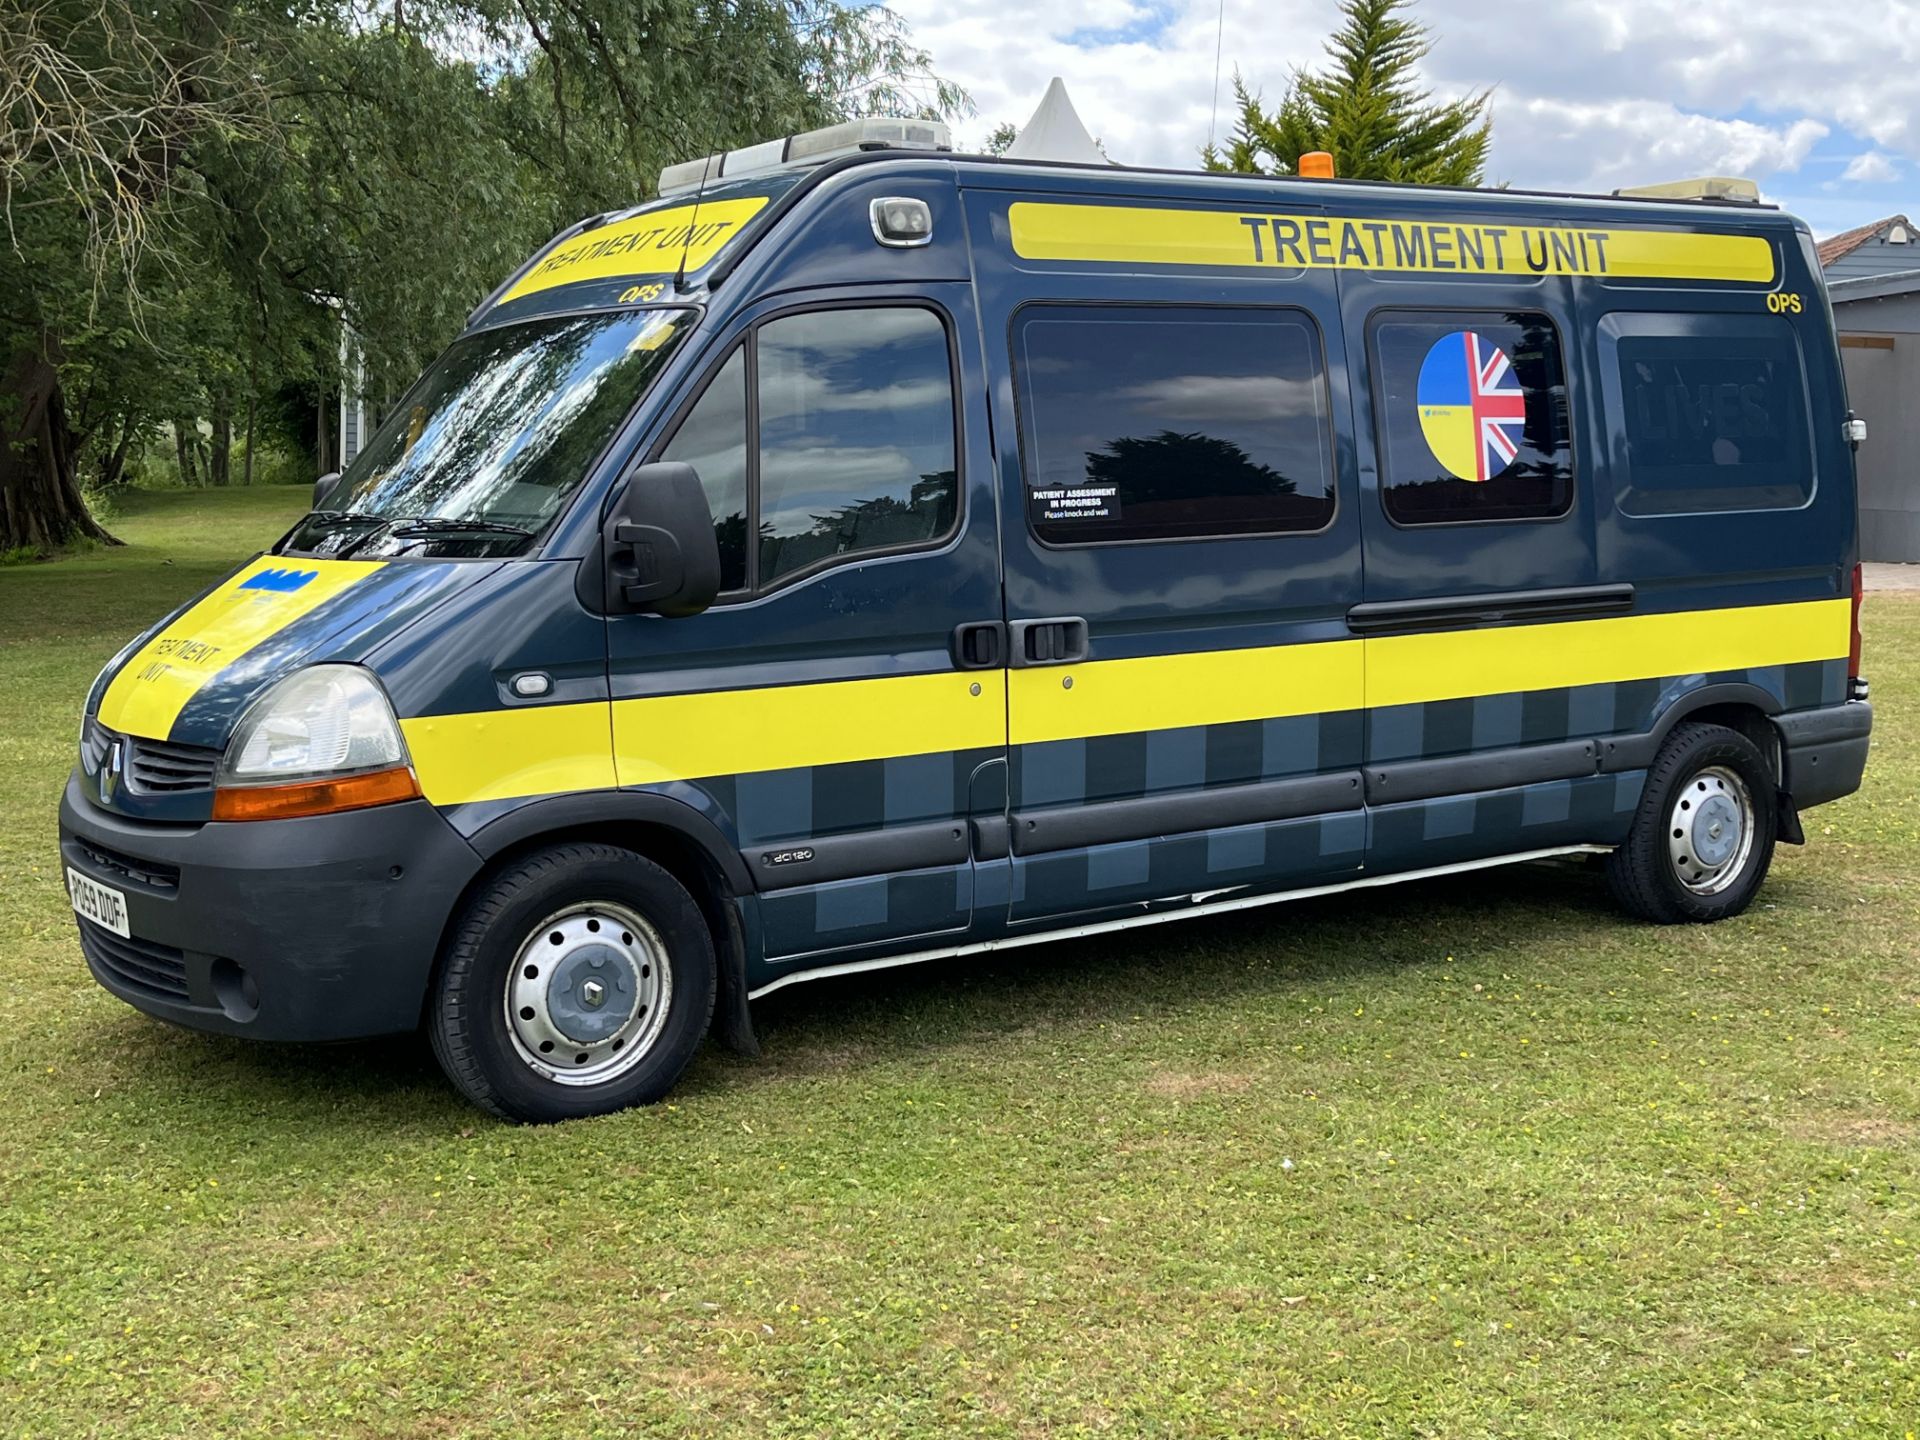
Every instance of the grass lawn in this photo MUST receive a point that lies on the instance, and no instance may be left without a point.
(1469, 1157)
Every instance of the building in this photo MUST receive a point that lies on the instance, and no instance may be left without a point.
(1873, 277)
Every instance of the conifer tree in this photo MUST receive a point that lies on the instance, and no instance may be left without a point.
(1366, 108)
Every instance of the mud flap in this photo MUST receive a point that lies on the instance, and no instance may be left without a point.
(732, 1016)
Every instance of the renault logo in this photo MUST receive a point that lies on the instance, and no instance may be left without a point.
(111, 769)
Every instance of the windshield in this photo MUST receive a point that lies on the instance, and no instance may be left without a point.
(496, 435)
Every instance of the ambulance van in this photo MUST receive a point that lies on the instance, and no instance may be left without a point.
(865, 554)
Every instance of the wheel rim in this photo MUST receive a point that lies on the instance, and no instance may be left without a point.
(589, 993)
(1710, 830)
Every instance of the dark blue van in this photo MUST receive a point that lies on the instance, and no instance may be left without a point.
(866, 554)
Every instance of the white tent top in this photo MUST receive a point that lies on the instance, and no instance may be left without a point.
(1055, 133)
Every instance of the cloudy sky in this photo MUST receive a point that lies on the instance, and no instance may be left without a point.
(1818, 100)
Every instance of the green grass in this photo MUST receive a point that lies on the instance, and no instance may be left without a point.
(1470, 1157)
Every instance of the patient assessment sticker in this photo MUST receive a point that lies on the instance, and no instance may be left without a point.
(1077, 502)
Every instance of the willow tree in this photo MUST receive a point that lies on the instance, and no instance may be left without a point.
(200, 193)
(1366, 108)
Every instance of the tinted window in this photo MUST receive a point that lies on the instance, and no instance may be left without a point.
(856, 435)
(713, 439)
(1714, 420)
(1159, 424)
(1471, 410)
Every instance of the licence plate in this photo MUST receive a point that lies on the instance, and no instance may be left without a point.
(102, 904)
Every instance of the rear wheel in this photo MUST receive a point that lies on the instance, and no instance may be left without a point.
(1702, 838)
(579, 980)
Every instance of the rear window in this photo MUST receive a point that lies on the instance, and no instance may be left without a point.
(1156, 423)
(1709, 413)
(1471, 410)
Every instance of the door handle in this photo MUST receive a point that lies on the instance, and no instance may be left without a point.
(1061, 640)
(980, 645)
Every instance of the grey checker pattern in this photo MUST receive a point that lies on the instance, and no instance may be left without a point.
(1123, 767)
(820, 800)
(1439, 728)
(828, 800)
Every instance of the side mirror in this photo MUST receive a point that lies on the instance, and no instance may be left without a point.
(660, 553)
(323, 487)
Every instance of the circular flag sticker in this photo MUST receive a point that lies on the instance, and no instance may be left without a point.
(1472, 409)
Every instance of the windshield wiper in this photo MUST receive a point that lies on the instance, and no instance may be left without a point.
(333, 519)
(434, 525)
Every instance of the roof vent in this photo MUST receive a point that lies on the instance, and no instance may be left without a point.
(1705, 187)
(815, 147)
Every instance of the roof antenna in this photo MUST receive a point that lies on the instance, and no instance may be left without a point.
(1219, 36)
(693, 226)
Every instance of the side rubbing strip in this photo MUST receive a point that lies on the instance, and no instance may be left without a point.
(1070, 827)
(870, 852)
(1488, 770)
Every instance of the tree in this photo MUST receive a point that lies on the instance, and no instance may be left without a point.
(99, 97)
(195, 195)
(1004, 134)
(1366, 109)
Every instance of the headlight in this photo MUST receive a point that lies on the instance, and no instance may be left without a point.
(321, 740)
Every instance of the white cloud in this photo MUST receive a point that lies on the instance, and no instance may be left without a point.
(1195, 399)
(1872, 167)
(1633, 142)
(1585, 96)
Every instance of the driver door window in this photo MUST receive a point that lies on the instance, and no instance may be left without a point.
(849, 449)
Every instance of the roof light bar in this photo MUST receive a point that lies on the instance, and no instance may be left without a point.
(1704, 187)
(815, 147)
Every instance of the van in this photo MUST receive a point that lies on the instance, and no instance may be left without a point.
(864, 554)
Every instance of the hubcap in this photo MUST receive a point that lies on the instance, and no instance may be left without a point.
(588, 995)
(1710, 830)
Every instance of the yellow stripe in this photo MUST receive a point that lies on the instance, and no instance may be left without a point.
(649, 244)
(561, 748)
(503, 754)
(1410, 669)
(1168, 692)
(729, 732)
(154, 686)
(1160, 236)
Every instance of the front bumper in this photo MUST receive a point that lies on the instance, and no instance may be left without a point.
(324, 928)
(1824, 751)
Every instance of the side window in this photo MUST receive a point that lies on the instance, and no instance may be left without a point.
(1712, 410)
(855, 445)
(713, 439)
(1160, 424)
(856, 435)
(1471, 411)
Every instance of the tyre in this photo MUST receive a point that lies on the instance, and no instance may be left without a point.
(578, 981)
(1702, 838)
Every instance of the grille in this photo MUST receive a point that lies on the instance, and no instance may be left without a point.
(153, 767)
(150, 873)
(156, 768)
(158, 970)
(93, 749)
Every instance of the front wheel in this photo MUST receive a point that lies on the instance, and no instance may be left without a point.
(578, 981)
(1702, 839)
